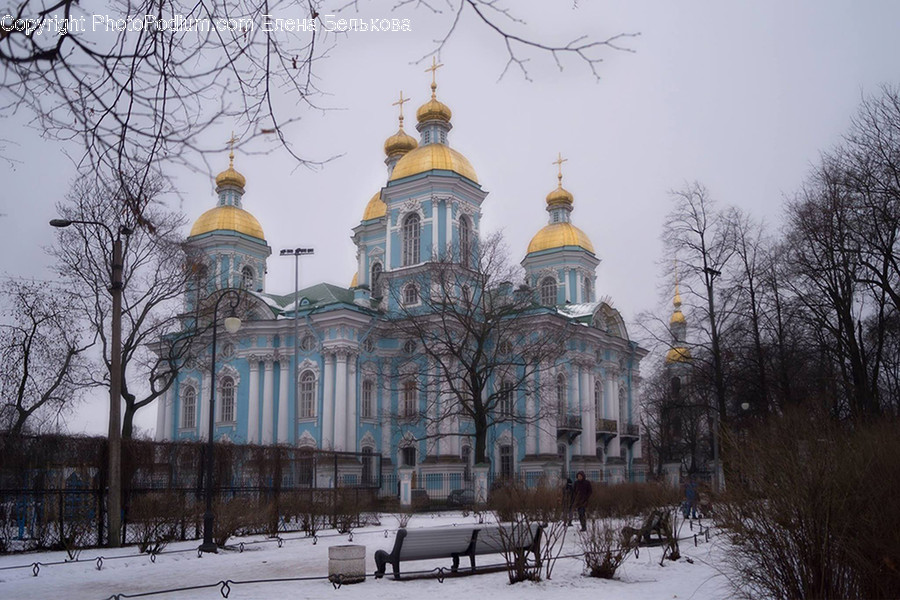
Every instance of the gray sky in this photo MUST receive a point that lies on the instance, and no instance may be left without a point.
(741, 96)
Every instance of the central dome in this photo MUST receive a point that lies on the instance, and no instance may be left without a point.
(559, 235)
(228, 218)
(433, 157)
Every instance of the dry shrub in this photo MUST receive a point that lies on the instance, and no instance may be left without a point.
(605, 548)
(233, 516)
(629, 499)
(154, 519)
(811, 509)
(345, 509)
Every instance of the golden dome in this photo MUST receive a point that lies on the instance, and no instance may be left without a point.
(677, 317)
(678, 355)
(400, 143)
(559, 197)
(376, 208)
(559, 235)
(354, 280)
(228, 218)
(230, 176)
(434, 109)
(433, 156)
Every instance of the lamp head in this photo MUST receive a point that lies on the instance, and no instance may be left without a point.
(60, 222)
(232, 324)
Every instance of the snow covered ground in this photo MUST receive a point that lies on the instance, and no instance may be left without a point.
(638, 578)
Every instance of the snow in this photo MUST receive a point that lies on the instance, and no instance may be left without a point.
(180, 567)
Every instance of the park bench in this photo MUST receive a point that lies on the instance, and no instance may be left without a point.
(450, 542)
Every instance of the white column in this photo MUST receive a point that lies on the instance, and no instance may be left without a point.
(362, 274)
(253, 403)
(546, 408)
(636, 447)
(530, 425)
(448, 210)
(613, 406)
(284, 366)
(340, 401)
(444, 447)
(328, 403)
(576, 409)
(161, 416)
(268, 426)
(387, 243)
(352, 413)
(383, 409)
(203, 407)
(588, 416)
(170, 426)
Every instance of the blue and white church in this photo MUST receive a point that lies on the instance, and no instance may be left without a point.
(315, 370)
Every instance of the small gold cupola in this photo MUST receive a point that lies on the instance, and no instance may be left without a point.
(560, 232)
(400, 143)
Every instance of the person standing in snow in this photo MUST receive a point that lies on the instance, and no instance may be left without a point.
(581, 493)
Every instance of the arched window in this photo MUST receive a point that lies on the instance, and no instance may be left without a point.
(598, 400)
(410, 294)
(247, 278)
(466, 453)
(411, 226)
(306, 409)
(506, 398)
(367, 407)
(587, 290)
(561, 403)
(189, 408)
(408, 455)
(408, 401)
(506, 461)
(624, 417)
(548, 291)
(375, 286)
(465, 242)
(227, 402)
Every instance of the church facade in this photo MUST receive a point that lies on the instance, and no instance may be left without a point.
(318, 370)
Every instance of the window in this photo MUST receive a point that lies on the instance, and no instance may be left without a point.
(247, 278)
(587, 290)
(408, 456)
(189, 408)
(307, 394)
(411, 240)
(410, 294)
(426, 137)
(409, 347)
(467, 461)
(598, 400)
(506, 461)
(465, 242)
(368, 397)
(308, 343)
(443, 137)
(506, 401)
(561, 394)
(408, 401)
(548, 291)
(227, 392)
(367, 471)
(377, 270)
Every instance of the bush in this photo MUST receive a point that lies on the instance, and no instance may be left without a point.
(234, 516)
(630, 499)
(605, 548)
(811, 509)
(153, 520)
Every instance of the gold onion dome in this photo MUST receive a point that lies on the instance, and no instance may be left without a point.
(434, 109)
(559, 235)
(376, 208)
(677, 315)
(355, 279)
(228, 218)
(678, 355)
(560, 197)
(230, 176)
(433, 156)
(400, 143)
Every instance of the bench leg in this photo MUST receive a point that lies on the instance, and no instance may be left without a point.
(380, 562)
(455, 566)
(472, 560)
(396, 566)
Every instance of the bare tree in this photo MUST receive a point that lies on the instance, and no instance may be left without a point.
(157, 271)
(42, 348)
(478, 345)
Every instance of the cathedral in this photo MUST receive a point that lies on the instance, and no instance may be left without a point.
(315, 369)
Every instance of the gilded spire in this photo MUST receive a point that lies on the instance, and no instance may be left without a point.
(433, 68)
(399, 143)
(560, 196)
(434, 109)
(230, 176)
(559, 161)
(677, 327)
(231, 153)
(400, 103)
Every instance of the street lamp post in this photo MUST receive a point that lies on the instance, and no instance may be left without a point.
(296, 253)
(232, 325)
(114, 499)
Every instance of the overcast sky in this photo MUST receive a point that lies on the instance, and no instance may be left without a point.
(740, 96)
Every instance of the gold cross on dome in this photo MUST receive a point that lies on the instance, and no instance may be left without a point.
(559, 161)
(433, 68)
(231, 146)
(400, 103)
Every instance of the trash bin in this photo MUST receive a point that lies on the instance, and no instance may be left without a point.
(347, 563)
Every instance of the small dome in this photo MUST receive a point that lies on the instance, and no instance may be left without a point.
(353, 281)
(559, 235)
(230, 177)
(431, 157)
(434, 109)
(228, 218)
(400, 143)
(677, 317)
(560, 197)
(678, 355)
(376, 208)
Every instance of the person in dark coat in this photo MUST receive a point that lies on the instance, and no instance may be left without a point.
(568, 500)
(581, 493)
